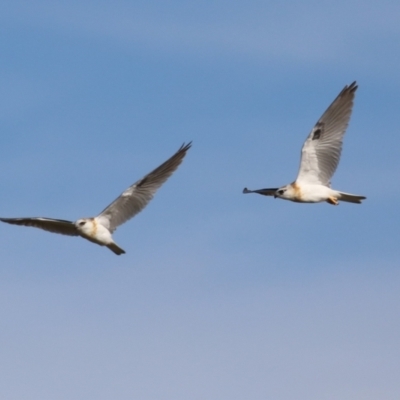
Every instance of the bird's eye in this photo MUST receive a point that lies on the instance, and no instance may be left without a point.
(82, 223)
(281, 191)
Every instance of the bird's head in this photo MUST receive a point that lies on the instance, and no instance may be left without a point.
(80, 222)
(289, 192)
(84, 224)
(282, 192)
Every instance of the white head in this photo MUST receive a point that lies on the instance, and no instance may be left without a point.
(287, 192)
(84, 225)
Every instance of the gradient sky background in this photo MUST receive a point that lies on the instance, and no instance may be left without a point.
(220, 295)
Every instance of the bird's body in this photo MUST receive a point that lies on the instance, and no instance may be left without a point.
(311, 193)
(99, 229)
(320, 157)
(92, 230)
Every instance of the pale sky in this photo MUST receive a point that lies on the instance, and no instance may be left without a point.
(220, 295)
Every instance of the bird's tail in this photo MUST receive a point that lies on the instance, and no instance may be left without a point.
(351, 198)
(117, 250)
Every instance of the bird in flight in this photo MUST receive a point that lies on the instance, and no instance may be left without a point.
(133, 200)
(320, 157)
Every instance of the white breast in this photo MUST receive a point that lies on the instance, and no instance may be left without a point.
(95, 232)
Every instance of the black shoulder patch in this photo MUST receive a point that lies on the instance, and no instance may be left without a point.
(317, 132)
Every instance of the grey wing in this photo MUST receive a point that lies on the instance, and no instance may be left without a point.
(52, 225)
(137, 196)
(321, 151)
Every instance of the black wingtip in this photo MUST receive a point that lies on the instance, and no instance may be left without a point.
(347, 90)
(10, 220)
(351, 88)
(264, 192)
(185, 146)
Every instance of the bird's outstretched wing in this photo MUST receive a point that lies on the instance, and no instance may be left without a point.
(321, 151)
(137, 196)
(52, 225)
(265, 192)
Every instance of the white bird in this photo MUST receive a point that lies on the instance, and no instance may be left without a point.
(133, 200)
(320, 157)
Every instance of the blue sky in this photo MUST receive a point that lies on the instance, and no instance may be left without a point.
(220, 295)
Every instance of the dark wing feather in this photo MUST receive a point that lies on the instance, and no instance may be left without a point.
(52, 225)
(136, 197)
(265, 192)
